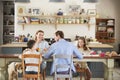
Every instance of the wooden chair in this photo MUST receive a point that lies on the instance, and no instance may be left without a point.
(81, 71)
(60, 75)
(31, 56)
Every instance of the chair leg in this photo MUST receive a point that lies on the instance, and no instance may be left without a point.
(54, 77)
(44, 74)
(80, 76)
(88, 74)
(41, 78)
(67, 78)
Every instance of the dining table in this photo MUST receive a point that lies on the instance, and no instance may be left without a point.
(109, 62)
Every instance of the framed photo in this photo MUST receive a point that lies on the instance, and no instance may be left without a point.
(102, 29)
(20, 10)
(110, 30)
(91, 12)
(74, 8)
(29, 11)
(32, 11)
(35, 11)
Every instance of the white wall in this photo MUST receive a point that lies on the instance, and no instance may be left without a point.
(51, 8)
(117, 28)
(110, 9)
(105, 8)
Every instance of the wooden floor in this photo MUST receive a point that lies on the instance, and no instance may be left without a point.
(116, 76)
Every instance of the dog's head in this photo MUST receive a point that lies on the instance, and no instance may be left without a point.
(18, 67)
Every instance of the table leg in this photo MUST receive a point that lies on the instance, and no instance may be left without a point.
(110, 74)
(109, 69)
(2, 69)
(105, 73)
(2, 74)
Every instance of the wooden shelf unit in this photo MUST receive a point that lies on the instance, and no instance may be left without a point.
(56, 20)
(105, 30)
(8, 21)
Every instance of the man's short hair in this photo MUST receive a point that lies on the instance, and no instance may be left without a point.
(60, 33)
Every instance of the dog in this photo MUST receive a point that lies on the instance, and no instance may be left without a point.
(13, 69)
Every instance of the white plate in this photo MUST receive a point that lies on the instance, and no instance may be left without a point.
(91, 55)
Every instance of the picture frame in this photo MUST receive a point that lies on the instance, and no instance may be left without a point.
(74, 8)
(33, 11)
(110, 30)
(102, 29)
(91, 12)
(20, 10)
(29, 11)
(36, 11)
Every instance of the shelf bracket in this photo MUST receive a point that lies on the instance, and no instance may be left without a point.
(22, 26)
(88, 27)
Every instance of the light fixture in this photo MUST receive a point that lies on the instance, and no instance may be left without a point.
(22, 1)
(90, 1)
(56, 0)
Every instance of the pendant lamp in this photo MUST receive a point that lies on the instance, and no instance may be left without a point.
(56, 0)
(22, 1)
(90, 1)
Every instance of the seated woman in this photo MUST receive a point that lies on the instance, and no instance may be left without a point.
(85, 51)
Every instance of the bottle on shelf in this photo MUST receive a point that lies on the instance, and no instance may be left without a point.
(60, 12)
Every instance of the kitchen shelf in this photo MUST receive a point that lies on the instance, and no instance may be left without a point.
(8, 35)
(12, 16)
(8, 21)
(105, 30)
(105, 25)
(54, 19)
(9, 25)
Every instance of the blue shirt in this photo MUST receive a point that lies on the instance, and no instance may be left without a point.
(63, 47)
(42, 45)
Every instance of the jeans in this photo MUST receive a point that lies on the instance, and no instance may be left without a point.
(30, 72)
(43, 66)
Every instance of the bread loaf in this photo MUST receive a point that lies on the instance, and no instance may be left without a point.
(114, 53)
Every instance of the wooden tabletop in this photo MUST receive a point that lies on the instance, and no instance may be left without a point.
(14, 45)
(9, 55)
(88, 57)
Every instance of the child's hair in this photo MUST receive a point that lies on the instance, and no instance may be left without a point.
(84, 46)
(30, 43)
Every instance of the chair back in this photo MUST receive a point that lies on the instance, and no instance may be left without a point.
(67, 65)
(24, 64)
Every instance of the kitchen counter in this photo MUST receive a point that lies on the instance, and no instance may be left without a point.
(14, 45)
(24, 45)
(18, 48)
(100, 46)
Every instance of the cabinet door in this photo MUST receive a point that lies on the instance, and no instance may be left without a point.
(8, 21)
(1, 22)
